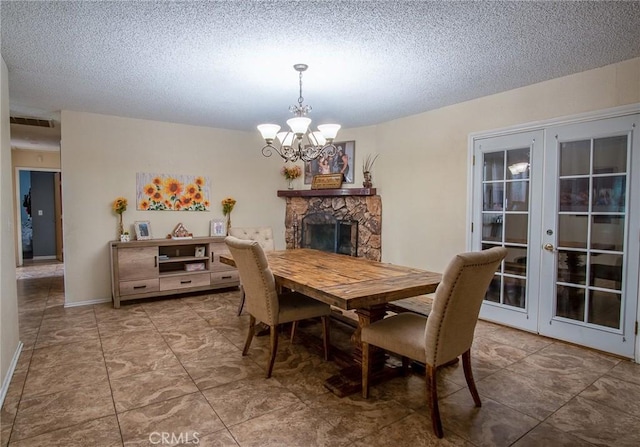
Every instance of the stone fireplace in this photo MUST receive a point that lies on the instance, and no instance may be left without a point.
(359, 208)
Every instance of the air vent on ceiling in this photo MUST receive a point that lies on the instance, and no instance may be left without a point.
(31, 121)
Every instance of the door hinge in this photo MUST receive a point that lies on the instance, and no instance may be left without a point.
(472, 227)
(473, 162)
(636, 332)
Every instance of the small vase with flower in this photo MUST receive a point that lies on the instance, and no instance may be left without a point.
(227, 206)
(291, 172)
(119, 206)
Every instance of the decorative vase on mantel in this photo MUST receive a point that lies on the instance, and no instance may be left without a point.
(367, 180)
(228, 223)
(290, 183)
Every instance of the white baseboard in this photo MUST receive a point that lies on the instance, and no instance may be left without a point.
(44, 258)
(88, 302)
(9, 376)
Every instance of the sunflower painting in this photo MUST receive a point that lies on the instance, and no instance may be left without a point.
(165, 192)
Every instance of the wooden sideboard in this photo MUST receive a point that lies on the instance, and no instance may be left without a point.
(160, 267)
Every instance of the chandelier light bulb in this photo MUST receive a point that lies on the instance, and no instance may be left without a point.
(299, 124)
(286, 138)
(268, 131)
(317, 139)
(329, 131)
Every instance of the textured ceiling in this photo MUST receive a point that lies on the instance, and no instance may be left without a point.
(229, 64)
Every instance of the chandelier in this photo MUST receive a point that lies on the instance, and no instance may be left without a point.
(299, 143)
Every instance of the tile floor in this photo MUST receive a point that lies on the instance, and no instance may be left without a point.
(99, 376)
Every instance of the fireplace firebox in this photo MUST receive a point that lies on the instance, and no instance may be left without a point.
(323, 231)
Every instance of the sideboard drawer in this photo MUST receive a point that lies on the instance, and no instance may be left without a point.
(185, 281)
(224, 277)
(140, 286)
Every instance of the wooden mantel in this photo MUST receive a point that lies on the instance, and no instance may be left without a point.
(327, 192)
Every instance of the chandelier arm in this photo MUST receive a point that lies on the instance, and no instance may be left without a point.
(329, 150)
(267, 151)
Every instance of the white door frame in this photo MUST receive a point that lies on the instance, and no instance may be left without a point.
(540, 125)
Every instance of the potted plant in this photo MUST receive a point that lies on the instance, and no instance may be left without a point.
(119, 206)
(291, 173)
(367, 166)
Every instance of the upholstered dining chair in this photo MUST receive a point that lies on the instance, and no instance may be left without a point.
(264, 303)
(448, 331)
(264, 237)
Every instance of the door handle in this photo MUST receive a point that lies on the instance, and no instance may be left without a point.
(549, 247)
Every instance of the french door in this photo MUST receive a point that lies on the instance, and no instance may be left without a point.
(509, 169)
(564, 202)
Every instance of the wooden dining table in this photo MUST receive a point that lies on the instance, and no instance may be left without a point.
(348, 283)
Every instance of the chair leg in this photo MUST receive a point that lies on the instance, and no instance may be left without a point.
(405, 365)
(241, 305)
(273, 338)
(468, 375)
(432, 391)
(365, 369)
(293, 330)
(325, 337)
(252, 330)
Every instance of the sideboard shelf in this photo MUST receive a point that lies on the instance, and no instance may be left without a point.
(159, 267)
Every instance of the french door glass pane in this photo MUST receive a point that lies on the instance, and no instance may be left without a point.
(514, 291)
(493, 196)
(609, 193)
(493, 166)
(607, 233)
(570, 302)
(518, 196)
(574, 194)
(606, 271)
(494, 293)
(610, 154)
(573, 230)
(492, 226)
(574, 158)
(515, 228)
(518, 164)
(517, 264)
(572, 267)
(604, 308)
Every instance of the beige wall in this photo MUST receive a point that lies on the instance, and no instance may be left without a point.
(8, 292)
(422, 170)
(100, 158)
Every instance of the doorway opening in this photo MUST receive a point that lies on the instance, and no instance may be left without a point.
(39, 215)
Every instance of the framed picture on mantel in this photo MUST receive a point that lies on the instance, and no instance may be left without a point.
(327, 181)
(341, 163)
